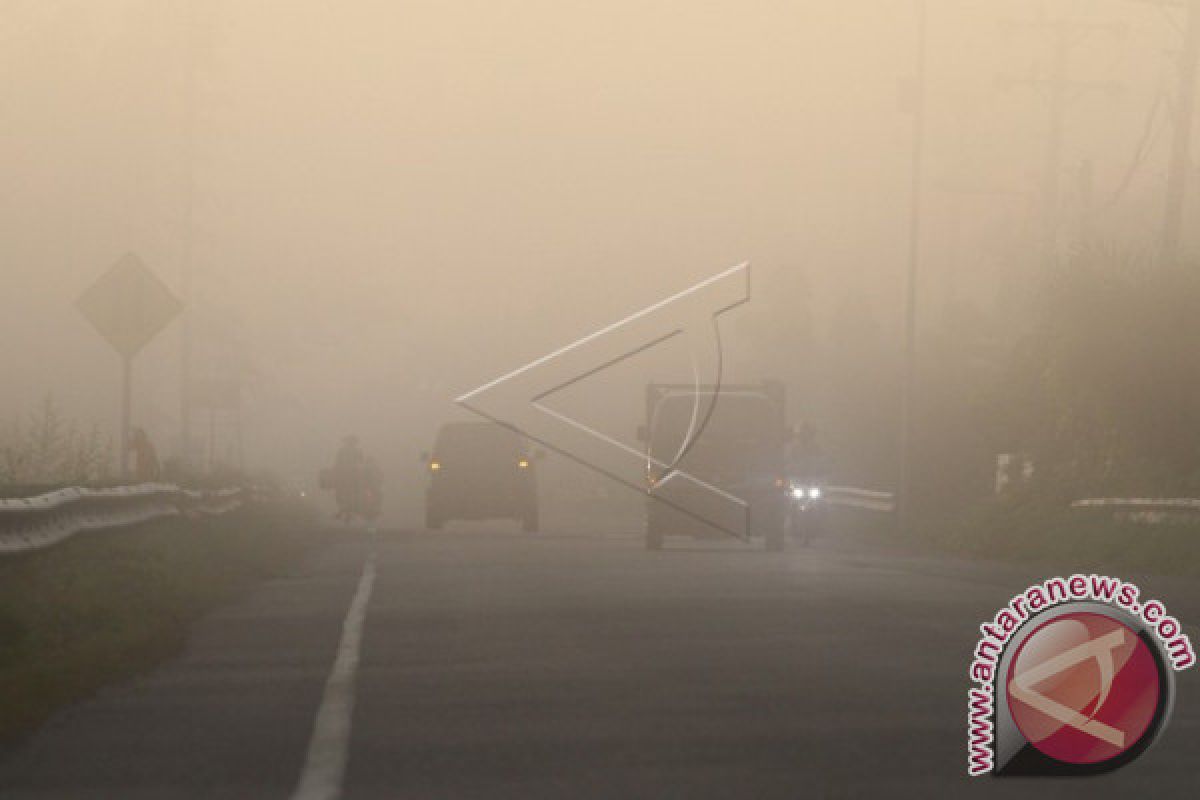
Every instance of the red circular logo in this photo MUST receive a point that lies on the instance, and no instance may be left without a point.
(1083, 688)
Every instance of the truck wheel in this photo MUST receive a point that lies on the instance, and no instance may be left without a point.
(432, 521)
(775, 539)
(654, 538)
(529, 522)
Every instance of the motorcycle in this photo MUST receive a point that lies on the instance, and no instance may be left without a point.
(361, 498)
(806, 512)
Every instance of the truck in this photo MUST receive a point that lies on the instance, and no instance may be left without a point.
(742, 451)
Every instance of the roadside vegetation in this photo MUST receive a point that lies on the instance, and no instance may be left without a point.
(1095, 380)
(1034, 531)
(1090, 374)
(44, 448)
(105, 605)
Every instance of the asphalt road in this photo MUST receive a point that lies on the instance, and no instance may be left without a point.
(498, 664)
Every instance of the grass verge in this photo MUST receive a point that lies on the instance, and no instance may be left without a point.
(104, 605)
(1040, 531)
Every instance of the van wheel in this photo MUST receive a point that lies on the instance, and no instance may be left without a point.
(529, 523)
(432, 521)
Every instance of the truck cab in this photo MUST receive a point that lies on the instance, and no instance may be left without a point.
(742, 451)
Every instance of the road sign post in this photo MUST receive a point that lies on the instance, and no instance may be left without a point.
(128, 306)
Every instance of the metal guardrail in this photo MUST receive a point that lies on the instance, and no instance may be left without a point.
(33, 523)
(855, 497)
(1140, 503)
(1145, 510)
(885, 501)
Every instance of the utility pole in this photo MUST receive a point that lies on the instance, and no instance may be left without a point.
(1052, 165)
(908, 392)
(198, 17)
(1085, 181)
(1180, 164)
(1061, 90)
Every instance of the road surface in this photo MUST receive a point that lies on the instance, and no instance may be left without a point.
(489, 663)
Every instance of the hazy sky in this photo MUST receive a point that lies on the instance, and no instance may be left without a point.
(394, 201)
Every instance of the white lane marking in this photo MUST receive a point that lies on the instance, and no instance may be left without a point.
(325, 764)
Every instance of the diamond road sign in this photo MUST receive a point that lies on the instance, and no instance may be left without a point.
(129, 305)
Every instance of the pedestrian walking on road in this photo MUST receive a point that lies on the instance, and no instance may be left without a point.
(146, 468)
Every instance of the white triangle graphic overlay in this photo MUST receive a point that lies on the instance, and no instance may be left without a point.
(515, 399)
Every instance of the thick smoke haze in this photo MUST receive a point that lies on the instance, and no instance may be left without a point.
(382, 205)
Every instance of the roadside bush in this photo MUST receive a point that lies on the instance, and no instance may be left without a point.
(1105, 390)
(43, 448)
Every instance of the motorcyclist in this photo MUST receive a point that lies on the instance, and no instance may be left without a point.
(806, 459)
(349, 478)
(372, 496)
(808, 471)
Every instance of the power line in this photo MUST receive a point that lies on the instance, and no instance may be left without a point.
(904, 488)
(1149, 131)
(1062, 89)
(1181, 144)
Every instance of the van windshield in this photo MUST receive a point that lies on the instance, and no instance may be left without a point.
(476, 442)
